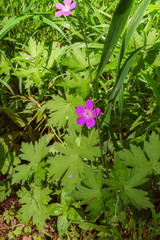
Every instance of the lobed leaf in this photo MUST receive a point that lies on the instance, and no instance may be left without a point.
(34, 204)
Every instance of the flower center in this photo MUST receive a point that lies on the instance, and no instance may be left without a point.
(66, 9)
(88, 114)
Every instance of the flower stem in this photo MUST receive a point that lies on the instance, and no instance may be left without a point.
(92, 89)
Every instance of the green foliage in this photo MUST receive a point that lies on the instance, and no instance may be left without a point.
(71, 158)
(65, 212)
(32, 69)
(92, 192)
(4, 66)
(78, 59)
(8, 160)
(78, 82)
(34, 155)
(136, 156)
(34, 205)
(63, 110)
(125, 180)
(5, 190)
(107, 51)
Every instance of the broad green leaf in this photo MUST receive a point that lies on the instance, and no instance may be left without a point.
(56, 54)
(55, 209)
(34, 204)
(33, 69)
(73, 215)
(138, 198)
(62, 224)
(87, 226)
(92, 192)
(34, 155)
(135, 157)
(72, 157)
(78, 81)
(63, 110)
(125, 180)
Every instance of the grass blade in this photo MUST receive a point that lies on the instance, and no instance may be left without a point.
(133, 24)
(12, 24)
(7, 85)
(116, 28)
(118, 84)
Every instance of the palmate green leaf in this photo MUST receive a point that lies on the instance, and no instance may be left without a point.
(78, 82)
(63, 110)
(125, 180)
(34, 205)
(72, 157)
(78, 59)
(138, 198)
(92, 193)
(34, 155)
(56, 54)
(135, 157)
(32, 69)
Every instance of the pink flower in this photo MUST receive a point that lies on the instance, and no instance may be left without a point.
(65, 9)
(71, 175)
(88, 114)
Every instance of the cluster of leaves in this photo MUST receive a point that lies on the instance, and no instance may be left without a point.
(59, 167)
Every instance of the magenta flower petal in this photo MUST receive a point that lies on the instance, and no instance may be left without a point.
(73, 5)
(89, 105)
(67, 2)
(90, 122)
(98, 110)
(59, 6)
(67, 13)
(58, 14)
(80, 110)
(81, 120)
